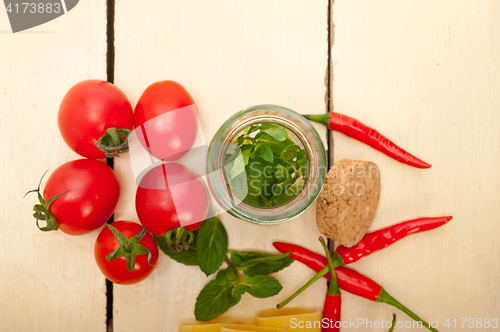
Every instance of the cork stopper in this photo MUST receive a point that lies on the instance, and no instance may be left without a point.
(347, 204)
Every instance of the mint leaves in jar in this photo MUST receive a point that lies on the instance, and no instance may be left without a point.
(264, 167)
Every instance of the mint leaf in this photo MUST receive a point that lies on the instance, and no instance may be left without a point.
(250, 129)
(262, 286)
(290, 192)
(226, 277)
(238, 257)
(211, 245)
(276, 146)
(231, 148)
(266, 153)
(282, 188)
(281, 173)
(238, 186)
(290, 152)
(241, 288)
(246, 153)
(236, 294)
(277, 132)
(266, 265)
(186, 257)
(295, 188)
(301, 159)
(259, 180)
(237, 167)
(213, 301)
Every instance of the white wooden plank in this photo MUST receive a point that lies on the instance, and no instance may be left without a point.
(426, 74)
(50, 281)
(229, 55)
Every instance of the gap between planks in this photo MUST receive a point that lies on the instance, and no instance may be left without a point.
(329, 98)
(110, 77)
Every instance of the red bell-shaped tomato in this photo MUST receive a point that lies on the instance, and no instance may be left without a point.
(169, 196)
(88, 110)
(111, 247)
(79, 197)
(166, 120)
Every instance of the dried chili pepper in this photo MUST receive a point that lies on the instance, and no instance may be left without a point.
(351, 281)
(380, 239)
(333, 299)
(361, 132)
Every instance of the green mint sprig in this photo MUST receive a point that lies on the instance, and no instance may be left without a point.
(268, 163)
(247, 271)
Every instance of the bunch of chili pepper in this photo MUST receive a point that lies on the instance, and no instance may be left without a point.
(350, 280)
(361, 132)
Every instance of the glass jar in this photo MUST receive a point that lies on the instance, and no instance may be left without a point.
(308, 138)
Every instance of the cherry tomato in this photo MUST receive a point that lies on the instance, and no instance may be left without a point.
(91, 199)
(87, 110)
(166, 134)
(116, 270)
(154, 200)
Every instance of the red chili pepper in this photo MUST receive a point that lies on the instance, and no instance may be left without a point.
(361, 287)
(370, 243)
(351, 281)
(357, 130)
(331, 313)
(305, 256)
(356, 283)
(333, 299)
(380, 239)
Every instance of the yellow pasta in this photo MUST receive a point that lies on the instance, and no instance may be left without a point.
(291, 319)
(215, 327)
(249, 328)
(274, 320)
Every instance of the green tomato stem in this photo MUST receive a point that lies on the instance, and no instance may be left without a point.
(42, 210)
(179, 239)
(52, 223)
(114, 141)
(113, 134)
(128, 247)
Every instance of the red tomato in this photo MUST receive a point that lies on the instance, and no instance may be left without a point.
(154, 200)
(167, 135)
(116, 270)
(94, 192)
(87, 110)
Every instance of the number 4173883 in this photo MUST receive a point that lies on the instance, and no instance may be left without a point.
(472, 323)
(32, 8)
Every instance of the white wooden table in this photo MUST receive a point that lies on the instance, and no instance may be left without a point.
(425, 73)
